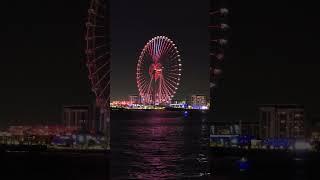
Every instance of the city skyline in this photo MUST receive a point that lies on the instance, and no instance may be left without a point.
(260, 67)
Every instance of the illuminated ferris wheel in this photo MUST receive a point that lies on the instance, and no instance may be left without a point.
(98, 52)
(98, 62)
(158, 71)
(218, 42)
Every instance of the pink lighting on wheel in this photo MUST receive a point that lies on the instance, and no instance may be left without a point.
(158, 71)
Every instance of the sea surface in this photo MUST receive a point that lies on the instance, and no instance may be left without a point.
(152, 145)
(159, 145)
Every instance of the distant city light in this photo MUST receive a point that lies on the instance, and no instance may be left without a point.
(204, 107)
(301, 145)
(186, 113)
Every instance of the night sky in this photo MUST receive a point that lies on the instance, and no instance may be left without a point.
(272, 56)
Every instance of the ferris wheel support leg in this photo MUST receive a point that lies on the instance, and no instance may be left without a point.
(105, 126)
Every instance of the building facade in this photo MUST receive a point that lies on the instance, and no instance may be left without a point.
(197, 101)
(249, 128)
(134, 99)
(243, 128)
(79, 116)
(281, 121)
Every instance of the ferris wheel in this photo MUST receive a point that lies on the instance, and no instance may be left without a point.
(158, 71)
(98, 62)
(218, 43)
(98, 52)
(219, 30)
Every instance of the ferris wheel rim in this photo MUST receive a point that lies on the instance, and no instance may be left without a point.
(170, 81)
(97, 63)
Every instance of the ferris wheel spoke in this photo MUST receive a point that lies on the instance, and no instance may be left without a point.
(221, 26)
(146, 63)
(175, 57)
(100, 57)
(143, 84)
(159, 91)
(165, 89)
(222, 11)
(148, 51)
(166, 47)
(97, 37)
(94, 49)
(150, 55)
(101, 67)
(157, 49)
(169, 92)
(101, 79)
(94, 37)
(104, 89)
(143, 88)
(176, 76)
(174, 70)
(107, 102)
(173, 76)
(100, 46)
(171, 84)
(92, 12)
(173, 80)
(153, 51)
(149, 86)
(174, 66)
(100, 16)
(161, 46)
(142, 80)
(162, 90)
(150, 46)
(89, 24)
(174, 53)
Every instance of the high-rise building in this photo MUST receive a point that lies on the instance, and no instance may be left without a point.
(134, 99)
(281, 121)
(198, 101)
(249, 128)
(218, 29)
(245, 128)
(225, 128)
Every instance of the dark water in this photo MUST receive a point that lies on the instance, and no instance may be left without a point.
(145, 145)
(156, 145)
(159, 145)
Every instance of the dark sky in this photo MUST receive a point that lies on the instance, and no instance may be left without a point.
(136, 22)
(272, 57)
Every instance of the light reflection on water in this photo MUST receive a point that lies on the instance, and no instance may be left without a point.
(158, 145)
